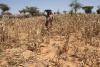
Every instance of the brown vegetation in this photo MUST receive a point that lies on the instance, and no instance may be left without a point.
(73, 41)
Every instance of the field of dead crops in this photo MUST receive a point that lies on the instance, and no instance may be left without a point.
(73, 41)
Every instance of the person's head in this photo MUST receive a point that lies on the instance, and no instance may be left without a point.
(49, 12)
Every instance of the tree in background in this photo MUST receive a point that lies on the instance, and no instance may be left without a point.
(71, 12)
(23, 11)
(75, 6)
(4, 8)
(98, 10)
(33, 11)
(58, 12)
(88, 9)
(65, 12)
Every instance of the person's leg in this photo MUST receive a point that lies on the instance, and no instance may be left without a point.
(46, 24)
(51, 22)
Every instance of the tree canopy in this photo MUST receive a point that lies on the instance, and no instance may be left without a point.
(88, 9)
(75, 6)
(4, 7)
(34, 11)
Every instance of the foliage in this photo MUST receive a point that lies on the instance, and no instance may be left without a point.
(4, 7)
(75, 6)
(88, 9)
(98, 10)
(64, 11)
(22, 11)
(33, 11)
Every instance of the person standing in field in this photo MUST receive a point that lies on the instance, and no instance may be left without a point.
(49, 18)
